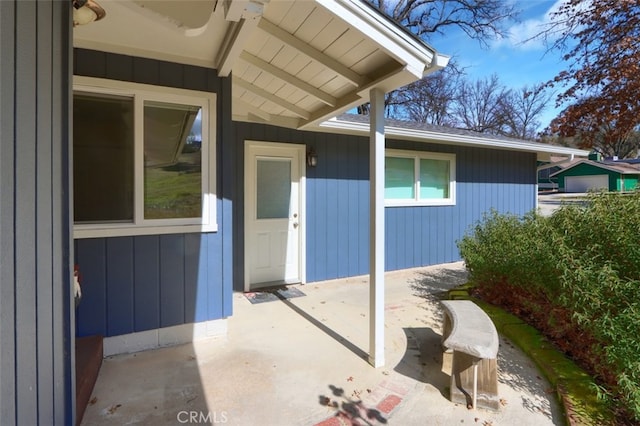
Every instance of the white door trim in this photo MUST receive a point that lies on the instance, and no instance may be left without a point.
(277, 149)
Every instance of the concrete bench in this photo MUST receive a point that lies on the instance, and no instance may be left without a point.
(471, 348)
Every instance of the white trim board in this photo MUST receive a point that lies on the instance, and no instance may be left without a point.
(140, 93)
(166, 336)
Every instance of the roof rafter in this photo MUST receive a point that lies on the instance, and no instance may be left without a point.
(252, 109)
(393, 77)
(289, 78)
(233, 44)
(300, 112)
(314, 54)
(243, 16)
(275, 120)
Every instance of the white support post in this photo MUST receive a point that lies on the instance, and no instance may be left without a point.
(376, 244)
(475, 384)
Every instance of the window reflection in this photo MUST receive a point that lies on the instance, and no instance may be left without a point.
(172, 161)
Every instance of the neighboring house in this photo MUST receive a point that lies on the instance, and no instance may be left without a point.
(98, 167)
(589, 175)
(548, 168)
(545, 181)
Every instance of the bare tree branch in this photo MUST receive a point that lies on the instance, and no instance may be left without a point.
(481, 20)
(428, 100)
(522, 109)
(479, 106)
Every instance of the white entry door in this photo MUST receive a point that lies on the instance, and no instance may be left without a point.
(274, 200)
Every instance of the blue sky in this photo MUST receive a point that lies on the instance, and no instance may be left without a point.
(517, 62)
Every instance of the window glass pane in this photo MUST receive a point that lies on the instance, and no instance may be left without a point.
(102, 158)
(399, 178)
(172, 161)
(434, 179)
(273, 188)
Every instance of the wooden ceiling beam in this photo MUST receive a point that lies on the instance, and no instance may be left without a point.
(289, 78)
(312, 53)
(243, 16)
(296, 110)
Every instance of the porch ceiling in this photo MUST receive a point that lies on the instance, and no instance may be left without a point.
(295, 63)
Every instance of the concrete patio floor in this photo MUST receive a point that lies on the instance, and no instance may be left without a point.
(302, 361)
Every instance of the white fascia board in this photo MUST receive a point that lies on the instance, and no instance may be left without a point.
(447, 138)
(417, 56)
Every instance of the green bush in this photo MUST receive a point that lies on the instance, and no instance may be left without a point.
(517, 250)
(585, 260)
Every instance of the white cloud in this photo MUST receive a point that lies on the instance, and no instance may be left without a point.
(525, 35)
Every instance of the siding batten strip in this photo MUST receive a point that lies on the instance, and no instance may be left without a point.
(25, 219)
(44, 225)
(7, 214)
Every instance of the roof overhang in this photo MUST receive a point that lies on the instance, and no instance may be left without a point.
(420, 59)
(294, 63)
(543, 151)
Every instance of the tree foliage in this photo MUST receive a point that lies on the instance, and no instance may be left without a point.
(600, 39)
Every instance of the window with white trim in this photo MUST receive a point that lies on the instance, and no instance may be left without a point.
(418, 178)
(143, 159)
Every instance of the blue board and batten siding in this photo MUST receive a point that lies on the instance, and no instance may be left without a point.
(36, 319)
(139, 283)
(337, 193)
(146, 282)
(485, 179)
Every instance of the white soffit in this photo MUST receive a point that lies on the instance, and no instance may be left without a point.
(163, 30)
(294, 63)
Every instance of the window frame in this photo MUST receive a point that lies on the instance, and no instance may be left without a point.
(417, 156)
(140, 93)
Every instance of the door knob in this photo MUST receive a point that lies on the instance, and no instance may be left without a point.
(295, 225)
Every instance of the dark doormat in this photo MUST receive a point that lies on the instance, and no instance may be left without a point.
(272, 294)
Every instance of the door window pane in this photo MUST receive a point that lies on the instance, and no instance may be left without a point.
(102, 158)
(172, 161)
(399, 178)
(273, 188)
(434, 179)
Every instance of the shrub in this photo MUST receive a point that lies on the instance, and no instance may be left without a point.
(517, 250)
(608, 307)
(585, 260)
